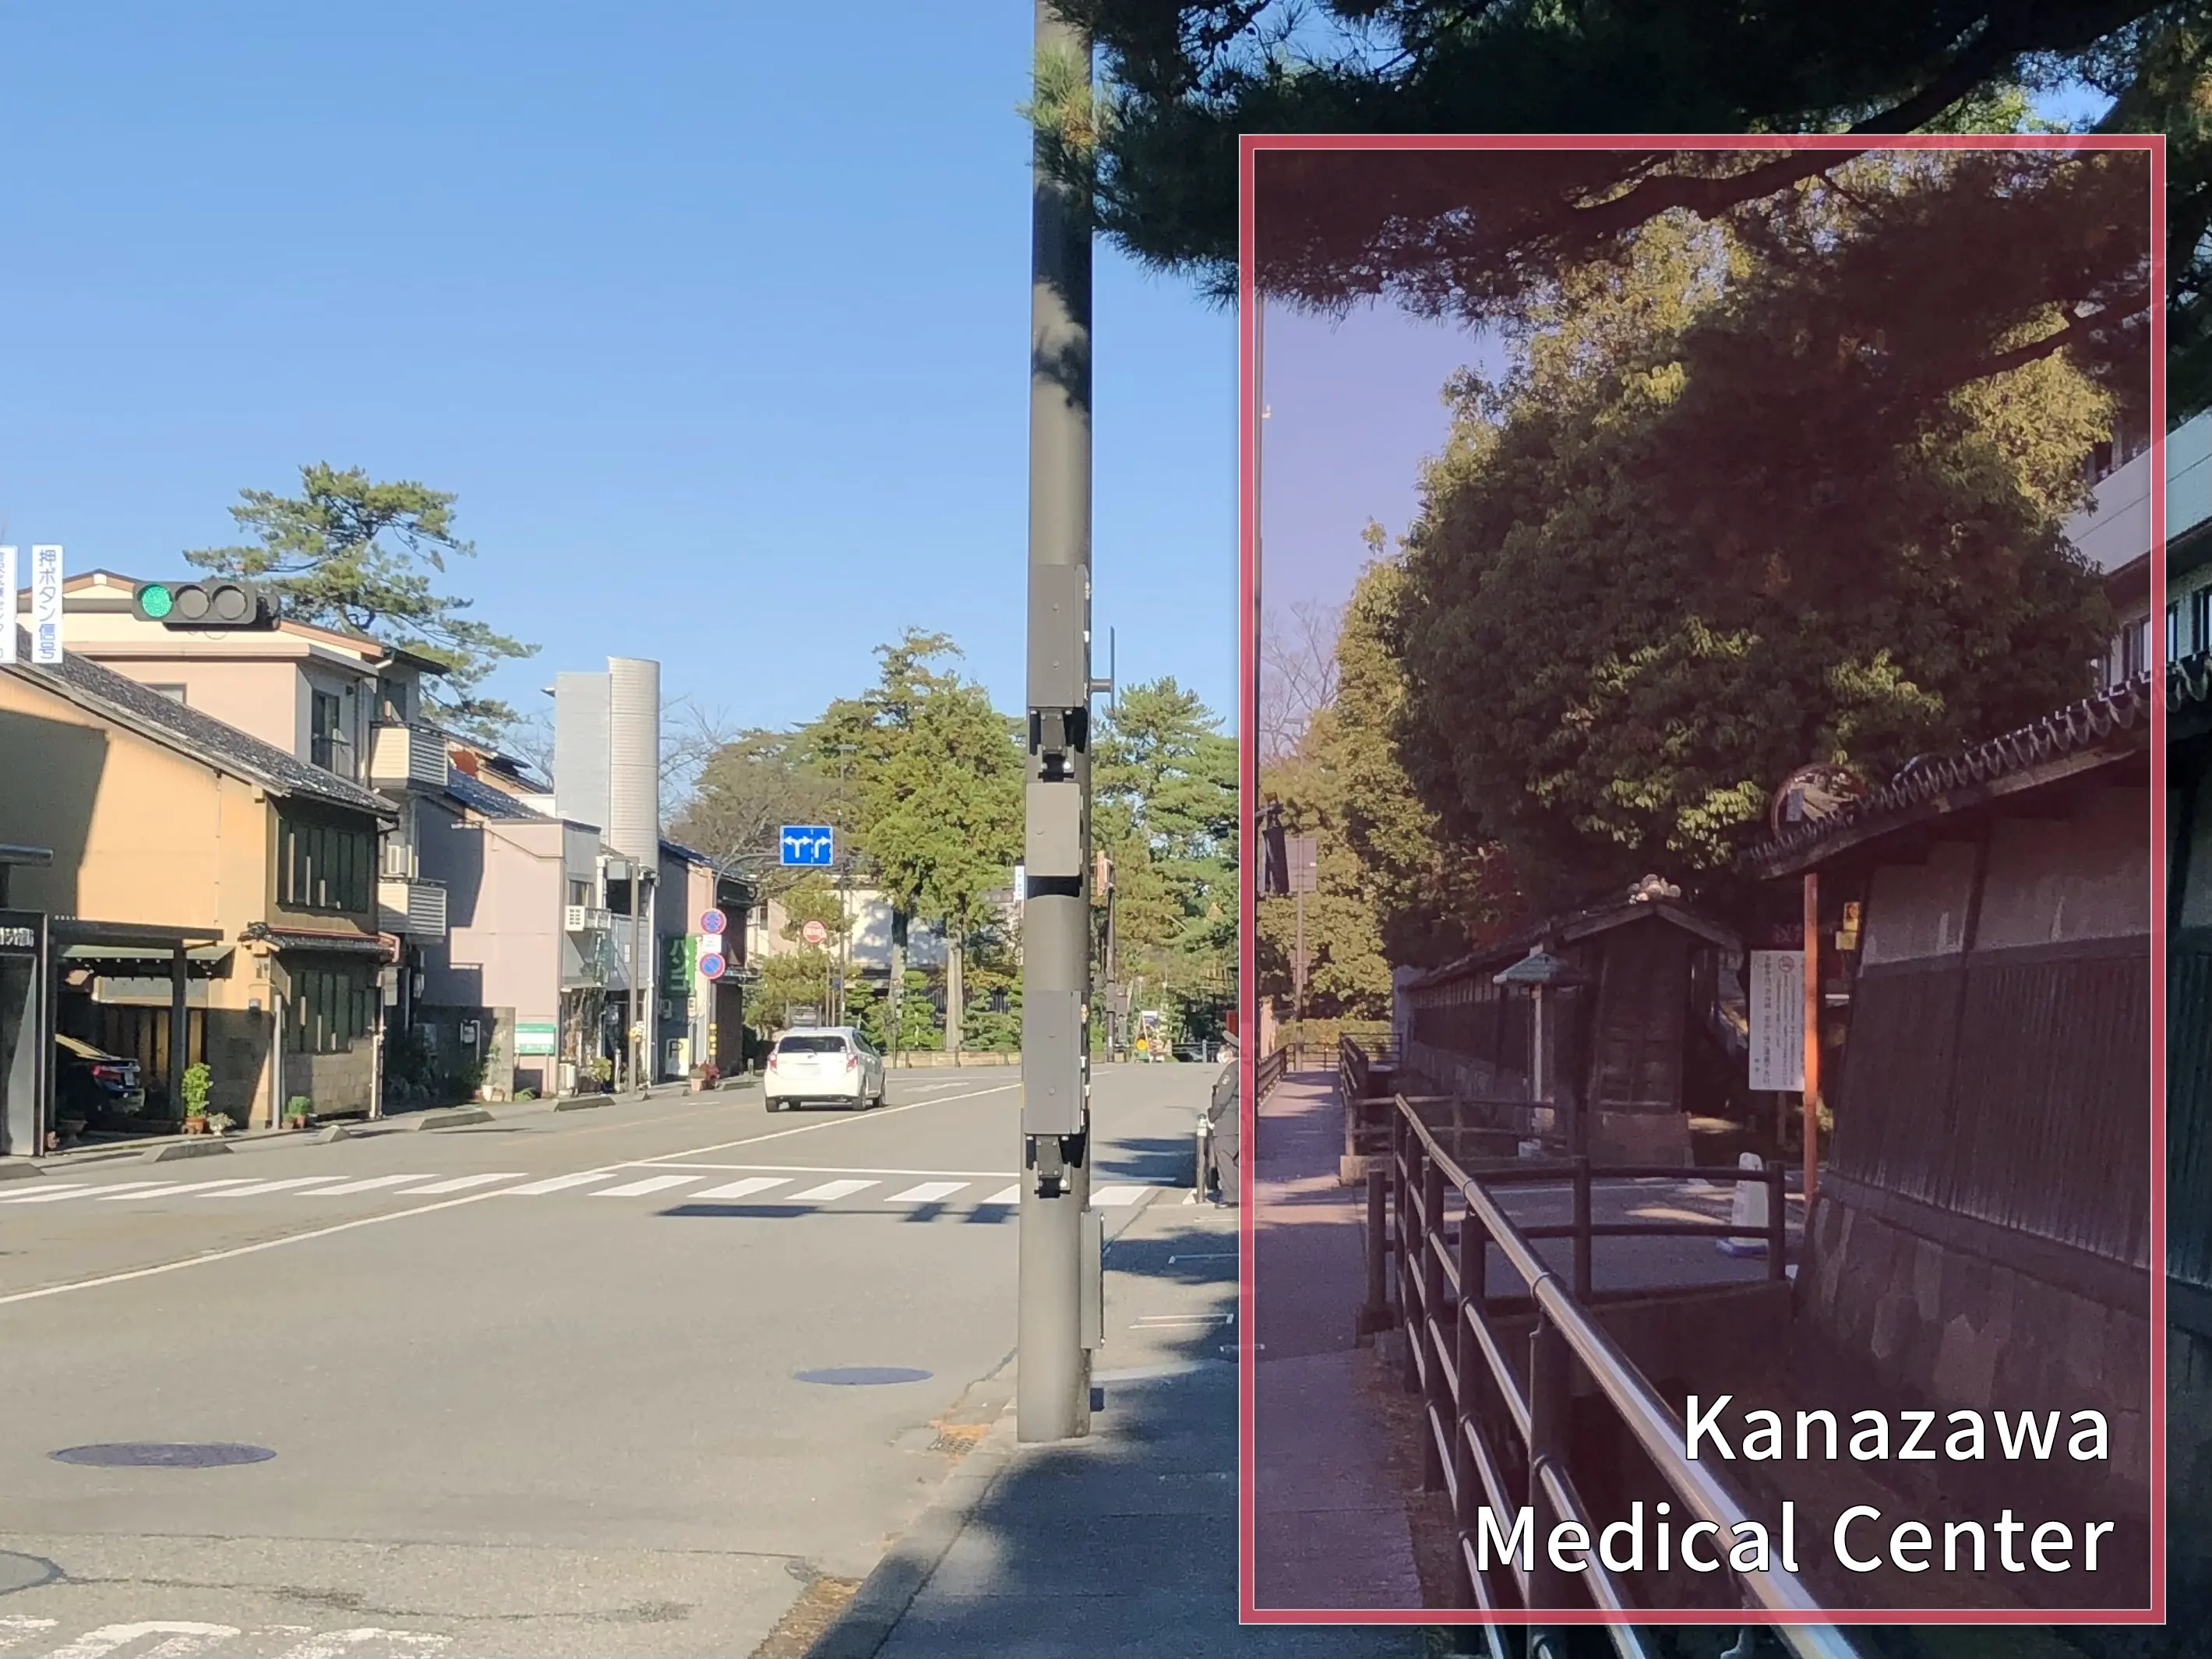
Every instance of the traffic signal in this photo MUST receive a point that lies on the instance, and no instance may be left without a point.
(220, 602)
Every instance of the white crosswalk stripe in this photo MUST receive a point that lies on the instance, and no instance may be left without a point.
(463, 1183)
(131, 1189)
(254, 1189)
(370, 1185)
(559, 1183)
(55, 1195)
(746, 1189)
(830, 1191)
(650, 1184)
(959, 1190)
(930, 1192)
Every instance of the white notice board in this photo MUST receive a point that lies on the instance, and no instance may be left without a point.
(1778, 1020)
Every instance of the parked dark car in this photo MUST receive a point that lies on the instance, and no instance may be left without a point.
(1224, 1143)
(90, 1083)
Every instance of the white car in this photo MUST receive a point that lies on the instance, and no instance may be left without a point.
(822, 1063)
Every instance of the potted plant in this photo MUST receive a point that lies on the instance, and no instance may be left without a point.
(221, 1123)
(704, 1076)
(602, 1072)
(299, 1112)
(197, 1080)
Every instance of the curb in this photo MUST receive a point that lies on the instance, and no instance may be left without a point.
(196, 1146)
(867, 1620)
(580, 1102)
(18, 1170)
(452, 1119)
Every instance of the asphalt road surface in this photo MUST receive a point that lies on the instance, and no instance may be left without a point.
(532, 1387)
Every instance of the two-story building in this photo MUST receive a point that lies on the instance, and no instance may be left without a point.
(211, 897)
(344, 704)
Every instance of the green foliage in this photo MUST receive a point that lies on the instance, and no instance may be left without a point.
(920, 1030)
(793, 979)
(197, 1082)
(353, 554)
(1165, 812)
(1677, 554)
(937, 780)
(747, 790)
(1186, 80)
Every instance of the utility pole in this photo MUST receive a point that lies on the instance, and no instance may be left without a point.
(1060, 1259)
(640, 1035)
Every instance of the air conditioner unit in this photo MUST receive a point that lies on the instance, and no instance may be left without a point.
(572, 918)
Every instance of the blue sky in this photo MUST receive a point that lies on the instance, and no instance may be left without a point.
(718, 325)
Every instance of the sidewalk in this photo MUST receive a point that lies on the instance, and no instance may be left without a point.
(1331, 1522)
(1123, 1545)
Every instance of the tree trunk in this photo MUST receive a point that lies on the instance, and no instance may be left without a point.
(956, 962)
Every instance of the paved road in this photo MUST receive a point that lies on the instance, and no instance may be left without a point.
(531, 1385)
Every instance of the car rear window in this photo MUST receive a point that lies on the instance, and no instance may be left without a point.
(811, 1045)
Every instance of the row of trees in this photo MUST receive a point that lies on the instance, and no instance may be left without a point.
(1731, 510)
(923, 778)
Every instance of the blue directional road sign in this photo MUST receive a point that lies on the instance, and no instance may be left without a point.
(810, 846)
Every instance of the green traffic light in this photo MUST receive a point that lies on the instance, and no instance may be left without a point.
(155, 600)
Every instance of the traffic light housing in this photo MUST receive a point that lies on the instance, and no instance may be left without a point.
(218, 602)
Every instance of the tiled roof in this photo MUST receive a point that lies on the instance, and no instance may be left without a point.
(481, 797)
(123, 700)
(2117, 719)
(1571, 926)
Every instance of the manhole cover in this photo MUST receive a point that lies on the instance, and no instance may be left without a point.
(161, 1455)
(25, 1572)
(864, 1377)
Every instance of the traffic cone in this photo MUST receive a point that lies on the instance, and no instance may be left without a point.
(1748, 1210)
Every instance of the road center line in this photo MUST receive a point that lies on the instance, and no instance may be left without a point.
(235, 1251)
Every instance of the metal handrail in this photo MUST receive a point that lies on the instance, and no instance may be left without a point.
(1269, 1073)
(1436, 1293)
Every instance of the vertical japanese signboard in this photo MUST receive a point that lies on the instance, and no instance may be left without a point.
(1778, 1020)
(47, 605)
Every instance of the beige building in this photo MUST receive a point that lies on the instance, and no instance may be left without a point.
(200, 870)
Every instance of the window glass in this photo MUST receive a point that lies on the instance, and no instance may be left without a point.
(810, 1045)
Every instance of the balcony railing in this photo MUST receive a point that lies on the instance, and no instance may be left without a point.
(417, 908)
(408, 758)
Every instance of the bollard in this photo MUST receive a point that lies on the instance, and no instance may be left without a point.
(1198, 1182)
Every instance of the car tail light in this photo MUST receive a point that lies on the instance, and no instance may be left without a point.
(771, 1059)
(852, 1061)
(119, 1075)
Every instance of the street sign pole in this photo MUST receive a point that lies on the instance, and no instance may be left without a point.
(1053, 1363)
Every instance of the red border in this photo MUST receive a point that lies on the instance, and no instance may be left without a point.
(1247, 729)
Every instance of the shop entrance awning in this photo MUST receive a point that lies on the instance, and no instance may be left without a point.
(143, 962)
